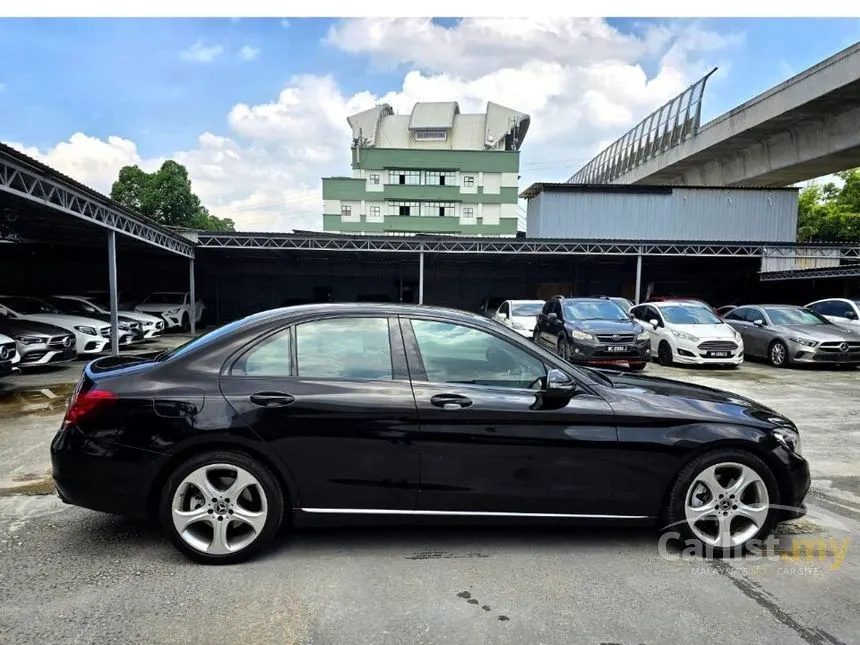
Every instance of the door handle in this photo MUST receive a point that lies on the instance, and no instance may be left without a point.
(450, 401)
(272, 399)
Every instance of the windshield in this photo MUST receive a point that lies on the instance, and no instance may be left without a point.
(164, 298)
(526, 308)
(76, 307)
(624, 303)
(795, 316)
(28, 306)
(598, 310)
(689, 315)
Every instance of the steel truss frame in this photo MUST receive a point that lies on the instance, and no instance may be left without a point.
(29, 184)
(811, 274)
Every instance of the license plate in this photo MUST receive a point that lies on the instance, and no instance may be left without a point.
(616, 348)
(718, 354)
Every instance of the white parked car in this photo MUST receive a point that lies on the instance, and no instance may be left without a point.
(151, 326)
(690, 333)
(173, 306)
(92, 336)
(519, 315)
(8, 355)
(842, 311)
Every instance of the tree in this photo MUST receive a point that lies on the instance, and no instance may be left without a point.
(830, 213)
(165, 197)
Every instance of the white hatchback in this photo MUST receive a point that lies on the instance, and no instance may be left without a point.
(519, 315)
(690, 333)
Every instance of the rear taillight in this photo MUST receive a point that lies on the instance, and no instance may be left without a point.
(84, 403)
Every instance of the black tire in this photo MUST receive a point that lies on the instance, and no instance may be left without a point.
(675, 518)
(664, 354)
(268, 482)
(775, 349)
(638, 367)
(185, 326)
(563, 349)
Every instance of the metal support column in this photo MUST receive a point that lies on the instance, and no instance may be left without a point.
(638, 276)
(421, 277)
(192, 298)
(114, 298)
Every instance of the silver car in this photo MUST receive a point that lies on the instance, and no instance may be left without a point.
(787, 334)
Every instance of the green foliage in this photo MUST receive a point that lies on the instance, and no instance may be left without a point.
(830, 213)
(165, 197)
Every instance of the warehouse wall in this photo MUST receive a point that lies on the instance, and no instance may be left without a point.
(664, 213)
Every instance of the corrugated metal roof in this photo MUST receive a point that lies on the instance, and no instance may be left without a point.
(433, 116)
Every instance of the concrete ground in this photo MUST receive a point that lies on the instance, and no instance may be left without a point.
(71, 575)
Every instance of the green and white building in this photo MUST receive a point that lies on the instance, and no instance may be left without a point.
(432, 171)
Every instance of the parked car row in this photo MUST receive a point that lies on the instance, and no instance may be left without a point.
(601, 330)
(55, 329)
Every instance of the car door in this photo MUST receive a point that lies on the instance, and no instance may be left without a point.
(756, 338)
(490, 442)
(840, 312)
(503, 314)
(332, 397)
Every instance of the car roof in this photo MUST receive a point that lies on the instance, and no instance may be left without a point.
(376, 308)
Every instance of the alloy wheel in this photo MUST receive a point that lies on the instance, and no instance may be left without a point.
(726, 504)
(219, 509)
(777, 353)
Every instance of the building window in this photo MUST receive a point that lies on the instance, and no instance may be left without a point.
(441, 178)
(374, 211)
(469, 212)
(404, 177)
(431, 135)
(437, 209)
(345, 211)
(403, 209)
(468, 180)
(374, 179)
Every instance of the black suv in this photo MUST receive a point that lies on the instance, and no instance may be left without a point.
(592, 330)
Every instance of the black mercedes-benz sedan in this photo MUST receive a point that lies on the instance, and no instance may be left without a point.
(368, 410)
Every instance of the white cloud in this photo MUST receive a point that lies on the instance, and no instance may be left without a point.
(248, 53)
(583, 82)
(199, 52)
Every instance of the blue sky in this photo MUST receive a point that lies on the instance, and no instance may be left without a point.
(128, 78)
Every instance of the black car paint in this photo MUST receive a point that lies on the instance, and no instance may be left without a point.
(613, 448)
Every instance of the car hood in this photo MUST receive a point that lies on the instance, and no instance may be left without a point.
(157, 307)
(719, 332)
(654, 397)
(139, 317)
(106, 318)
(66, 321)
(17, 326)
(607, 326)
(822, 332)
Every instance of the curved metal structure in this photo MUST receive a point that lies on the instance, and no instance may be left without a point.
(665, 128)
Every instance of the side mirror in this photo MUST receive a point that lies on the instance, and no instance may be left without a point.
(850, 315)
(758, 323)
(558, 381)
(654, 323)
(553, 316)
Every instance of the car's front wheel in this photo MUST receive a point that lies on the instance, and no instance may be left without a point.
(723, 501)
(563, 349)
(221, 507)
(777, 353)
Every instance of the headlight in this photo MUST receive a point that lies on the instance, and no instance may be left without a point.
(806, 342)
(789, 438)
(581, 335)
(175, 310)
(643, 335)
(122, 325)
(31, 340)
(685, 336)
(517, 325)
(86, 330)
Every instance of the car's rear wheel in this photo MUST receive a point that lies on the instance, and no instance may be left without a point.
(777, 354)
(186, 323)
(664, 353)
(723, 500)
(637, 367)
(221, 507)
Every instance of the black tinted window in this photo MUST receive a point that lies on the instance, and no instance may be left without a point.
(739, 314)
(457, 354)
(354, 348)
(270, 357)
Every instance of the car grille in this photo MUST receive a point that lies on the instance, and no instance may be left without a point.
(718, 346)
(134, 326)
(615, 338)
(105, 332)
(159, 324)
(11, 350)
(57, 342)
(839, 346)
